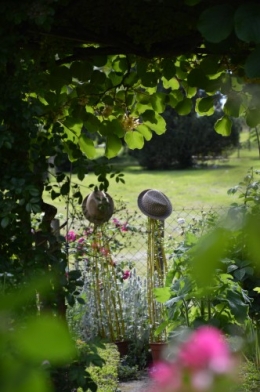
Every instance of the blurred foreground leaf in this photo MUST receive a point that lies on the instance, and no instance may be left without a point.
(206, 257)
(45, 338)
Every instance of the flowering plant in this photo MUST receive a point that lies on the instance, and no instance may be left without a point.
(202, 362)
(110, 282)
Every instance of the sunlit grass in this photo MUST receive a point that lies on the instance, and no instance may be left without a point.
(192, 188)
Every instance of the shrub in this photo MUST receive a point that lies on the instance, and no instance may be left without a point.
(185, 137)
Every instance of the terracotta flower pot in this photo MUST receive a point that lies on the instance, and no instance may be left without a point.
(122, 347)
(157, 350)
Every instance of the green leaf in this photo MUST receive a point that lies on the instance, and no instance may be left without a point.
(240, 273)
(5, 222)
(120, 64)
(190, 91)
(87, 146)
(150, 79)
(168, 69)
(232, 106)
(81, 70)
(252, 64)
(205, 106)
(100, 60)
(78, 114)
(72, 130)
(172, 83)
(253, 117)
(158, 102)
(65, 188)
(108, 100)
(97, 78)
(210, 65)
(145, 131)
(92, 123)
(216, 23)
(247, 22)
(197, 78)
(32, 380)
(112, 127)
(154, 121)
(45, 338)
(184, 107)
(69, 148)
(113, 146)
(162, 294)
(143, 97)
(59, 77)
(223, 126)
(28, 207)
(81, 301)
(117, 128)
(131, 79)
(207, 255)
(174, 97)
(115, 77)
(237, 306)
(134, 139)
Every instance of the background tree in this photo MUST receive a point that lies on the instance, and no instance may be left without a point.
(186, 137)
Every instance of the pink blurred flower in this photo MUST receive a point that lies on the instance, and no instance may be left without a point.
(126, 274)
(71, 236)
(198, 364)
(88, 231)
(81, 240)
(116, 222)
(206, 348)
(104, 251)
(124, 227)
(202, 380)
(166, 374)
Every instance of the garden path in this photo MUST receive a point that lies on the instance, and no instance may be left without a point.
(140, 385)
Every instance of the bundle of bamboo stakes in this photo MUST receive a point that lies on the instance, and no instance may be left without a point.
(156, 271)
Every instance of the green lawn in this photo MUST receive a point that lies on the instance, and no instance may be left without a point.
(191, 188)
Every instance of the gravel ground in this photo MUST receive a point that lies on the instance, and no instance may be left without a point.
(139, 385)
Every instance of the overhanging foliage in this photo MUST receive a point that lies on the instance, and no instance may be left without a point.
(74, 71)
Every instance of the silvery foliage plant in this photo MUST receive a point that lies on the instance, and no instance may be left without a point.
(134, 313)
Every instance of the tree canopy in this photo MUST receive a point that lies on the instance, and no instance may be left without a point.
(99, 64)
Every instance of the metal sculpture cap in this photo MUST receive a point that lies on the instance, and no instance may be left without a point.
(98, 207)
(154, 204)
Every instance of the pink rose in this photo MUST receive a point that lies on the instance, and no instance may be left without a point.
(126, 274)
(71, 236)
